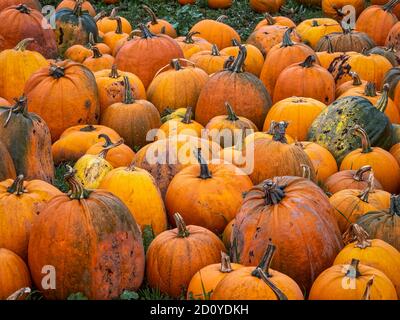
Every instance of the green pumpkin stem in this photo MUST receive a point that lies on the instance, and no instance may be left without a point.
(21, 46)
(370, 89)
(365, 143)
(146, 33)
(355, 233)
(358, 176)
(17, 186)
(308, 63)
(353, 271)
(114, 72)
(237, 65)
(356, 78)
(205, 172)
(20, 106)
(287, 40)
(189, 37)
(278, 131)
(395, 205)
(77, 11)
(231, 114)
(383, 101)
(187, 118)
(215, 51)
(273, 192)
(151, 13)
(128, 96)
(225, 263)
(183, 232)
(76, 190)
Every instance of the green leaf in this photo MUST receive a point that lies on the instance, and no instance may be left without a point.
(129, 295)
(148, 236)
(77, 296)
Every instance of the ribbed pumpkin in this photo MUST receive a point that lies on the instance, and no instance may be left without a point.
(352, 281)
(20, 22)
(171, 253)
(34, 4)
(98, 61)
(345, 41)
(389, 52)
(158, 26)
(111, 38)
(14, 274)
(177, 86)
(16, 66)
(385, 166)
(203, 283)
(270, 210)
(46, 89)
(207, 195)
(300, 112)
(281, 56)
(226, 235)
(7, 169)
(75, 141)
(178, 126)
(371, 252)
(27, 138)
(20, 203)
(355, 83)
(210, 61)
(191, 44)
(284, 159)
(108, 23)
(258, 283)
(216, 32)
(298, 80)
(270, 6)
(279, 20)
(235, 86)
(327, 57)
(145, 56)
(70, 4)
(384, 224)
(92, 240)
(335, 9)
(140, 194)
(393, 38)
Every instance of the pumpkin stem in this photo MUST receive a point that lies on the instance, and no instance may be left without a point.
(56, 71)
(19, 293)
(114, 12)
(306, 174)
(395, 205)
(390, 5)
(279, 294)
(228, 62)
(356, 78)
(103, 153)
(273, 193)
(153, 16)
(370, 188)
(17, 186)
(278, 131)
(235, 43)
(205, 172)
(106, 138)
(183, 232)
(215, 51)
(358, 176)
(221, 18)
(118, 30)
(88, 128)
(355, 233)
(20, 106)
(76, 190)
(231, 114)
(189, 37)
(365, 143)
(367, 292)
(187, 119)
(23, 9)
(21, 46)
(175, 64)
(128, 96)
(308, 63)
(353, 271)
(102, 14)
(114, 72)
(270, 19)
(146, 33)
(96, 52)
(91, 41)
(237, 65)
(225, 263)
(77, 11)
(383, 101)
(370, 90)
(314, 23)
(287, 41)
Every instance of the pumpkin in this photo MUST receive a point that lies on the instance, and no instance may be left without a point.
(111, 89)
(323, 162)
(111, 38)
(183, 125)
(351, 179)
(171, 253)
(355, 83)
(352, 281)
(392, 78)
(75, 141)
(270, 6)
(73, 26)
(98, 61)
(20, 203)
(16, 66)
(216, 32)
(158, 26)
(191, 44)
(177, 87)
(393, 38)
(258, 283)
(34, 4)
(312, 30)
(70, 4)
(226, 235)
(383, 224)
(298, 111)
(124, 39)
(298, 80)
(382, 2)
(389, 53)
(145, 56)
(371, 252)
(345, 41)
(211, 61)
(14, 273)
(207, 195)
(331, 128)
(45, 91)
(279, 20)
(385, 166)
(7, 169)
(91, 239)
(281, 56)
(268, 211)
(236, 155)
(203, 283)
(79, 52)
(235, 86)
(140, 194)
(283, 159)
(20, 22)
(327, 57)
(269, 135)
(219, 4)
(384, 19)
(336, 9)
(395, 152)
(166, 157)
(109, 23)
(169, 114)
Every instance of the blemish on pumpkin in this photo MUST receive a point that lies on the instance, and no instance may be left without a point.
(88, 103)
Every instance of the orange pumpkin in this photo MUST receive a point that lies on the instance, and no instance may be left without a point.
(327, 57)
(211, 61)
(270, 6)
(346, 41)
(279, 20)
(7, 168)
(108, 23)
(336, 9)
(226, 235)
(355, 83)
(79, 52)
(158, 26)
(98, 61)
(191, 44)
(111, 38)
(35, 4)
(70, 4)
(312, 30)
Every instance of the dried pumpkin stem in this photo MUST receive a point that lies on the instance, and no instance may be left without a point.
(390, 5)
(356, 78)
(56, 71)
(235, 43)
(278, 292)
(23, 8)
(278, 131)
(383, 101)
(96, 52)
(287, 40)
(225, 263)
(114, 72)
(102, 14)
(183, 232)
(358, 176)
(221, 18)
(355, 233)
(76, 190)
(273, 193)
(270, 19)
(103, 153)
(370, 90)
(353, 271)
(88, 128)
(118, 30)
(314, 23)
(175, 64)
(205, 172)
(146, 33)
(266, 260)
(237, 65)
(106, 138)
(21, 46)
(21, 106)
(153, 16)
(370, 188)
(365, 143)
(330, 45)
(17, 186)
(308, 63)
(128, 96)
(215, 51)
(306, 171)
(231, 114)
(91, 41)
(19, 293)
(189, 37)
(187, 119)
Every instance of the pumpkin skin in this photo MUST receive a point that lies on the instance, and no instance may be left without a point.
(298, 80)
(235, 86)
(395, 152)
(109, 23)
(177, 126)
(94, 228)
(207, 195)
(111, 38)
(177, 87)
(211, 61)
(219, 4)
(75, 141)
(145, 56)
(20, 204)
(34, 4)
(14, 273)
(279, 20)
(70, 4)
(216, 32)
(282, 56)
(44, 91)
(330, 129)
(334, 8)
(79, 52)
(392, 78)
(374, 253)
(389, 53)
(226, 235)
(393, 37)
(7, 169)
(16, 66)
(330, 284)
(270, 6)
(385, 166)
(299, 111)
(203, 283)
(191, 44)
(98, 61)
(169, 252)
(158, 26)
(21, 22)
(302, 204)
(20, 125)
(346, 41)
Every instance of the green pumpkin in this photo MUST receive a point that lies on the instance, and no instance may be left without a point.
(73, 26)
(332, 129)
